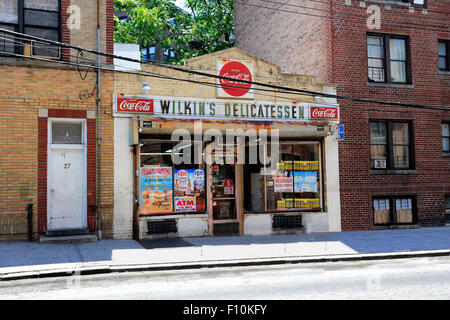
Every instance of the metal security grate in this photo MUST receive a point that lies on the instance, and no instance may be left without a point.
(162, 227)
(226, 229)
(289, 223)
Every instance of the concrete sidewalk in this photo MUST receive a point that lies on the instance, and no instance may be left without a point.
(31, 259)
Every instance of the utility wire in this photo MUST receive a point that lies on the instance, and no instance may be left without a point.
(409, 25)
(184, 70)
(155, 75)
(334, 3)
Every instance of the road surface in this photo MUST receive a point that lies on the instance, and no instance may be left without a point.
(418, 278)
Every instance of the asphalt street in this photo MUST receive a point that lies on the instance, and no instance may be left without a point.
(415, 278)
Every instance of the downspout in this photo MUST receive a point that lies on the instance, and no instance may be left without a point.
(99, 103)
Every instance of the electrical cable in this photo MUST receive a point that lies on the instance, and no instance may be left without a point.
(184, 70)
(198, 82)
(342, 5)
(421, 27)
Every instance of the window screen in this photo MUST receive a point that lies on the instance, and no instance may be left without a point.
(51, 5)
(67, 133)
(8, 11)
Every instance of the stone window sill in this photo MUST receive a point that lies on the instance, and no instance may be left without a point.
(398, 226)
(393, 172)
(444, 72)
(446, 154)
(396, 3)
(390, 85)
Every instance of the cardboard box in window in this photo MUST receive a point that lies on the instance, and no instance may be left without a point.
(404, 216)
(382, 217)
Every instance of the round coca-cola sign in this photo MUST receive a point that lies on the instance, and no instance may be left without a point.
(238, 71)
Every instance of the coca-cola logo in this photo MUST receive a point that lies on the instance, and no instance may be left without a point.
(324, 113)
(134, 105)
(238, 71)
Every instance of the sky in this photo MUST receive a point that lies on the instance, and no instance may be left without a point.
(180, 3)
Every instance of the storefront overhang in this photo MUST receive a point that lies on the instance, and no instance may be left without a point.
(162, 115)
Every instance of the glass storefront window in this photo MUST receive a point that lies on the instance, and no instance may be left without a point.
(186, 182)
(293, 185)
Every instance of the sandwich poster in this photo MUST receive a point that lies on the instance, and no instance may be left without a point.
(156, 190)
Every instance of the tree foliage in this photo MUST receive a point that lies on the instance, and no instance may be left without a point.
(207, 29)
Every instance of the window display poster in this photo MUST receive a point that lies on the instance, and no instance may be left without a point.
(282, 184)
(156, 190)
(228, 187)
(305, 181)
(190, 181)
(185, 204)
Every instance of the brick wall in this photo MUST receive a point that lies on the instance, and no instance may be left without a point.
(299, 44)
(23, 156)
(347, 55)
(28, 86)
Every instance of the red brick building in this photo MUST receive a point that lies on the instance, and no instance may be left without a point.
(49, 116)
(394, 161)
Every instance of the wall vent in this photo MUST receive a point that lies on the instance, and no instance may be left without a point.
(286, 223)
(162, 228)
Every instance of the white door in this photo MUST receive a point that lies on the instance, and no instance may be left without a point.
(66, 185)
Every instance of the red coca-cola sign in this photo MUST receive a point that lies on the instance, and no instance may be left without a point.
(238, 71)
(138, 105)
(324, 113)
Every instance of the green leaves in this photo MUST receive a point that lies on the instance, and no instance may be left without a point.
(209, 28)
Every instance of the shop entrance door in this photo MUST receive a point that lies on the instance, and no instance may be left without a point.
(223, 197)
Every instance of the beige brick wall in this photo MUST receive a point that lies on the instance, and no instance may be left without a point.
(24, 90)
(86, 36)
(264, 71)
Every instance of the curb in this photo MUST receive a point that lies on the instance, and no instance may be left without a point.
(88, 269)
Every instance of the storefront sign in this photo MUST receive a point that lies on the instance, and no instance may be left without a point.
(325, 113)
(341, 132)
(282, 184)
(134, 105)
(147, 124)
(187, 108)
(238, 70)
(305, 181)
(156, 190)
(185, 204)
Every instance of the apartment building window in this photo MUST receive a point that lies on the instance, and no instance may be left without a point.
(394, 210)
(387, 59)
(421, 3)
(39, 18)
(444, 60)
(391, 145)
(148, 53)
(168, 54)
(446, 136)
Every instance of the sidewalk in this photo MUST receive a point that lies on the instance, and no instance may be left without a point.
(31, 259)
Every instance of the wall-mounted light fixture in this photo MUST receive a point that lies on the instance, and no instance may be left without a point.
(145, 89)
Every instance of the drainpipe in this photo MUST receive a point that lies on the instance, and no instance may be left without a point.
(99, 103)
(30, 221)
